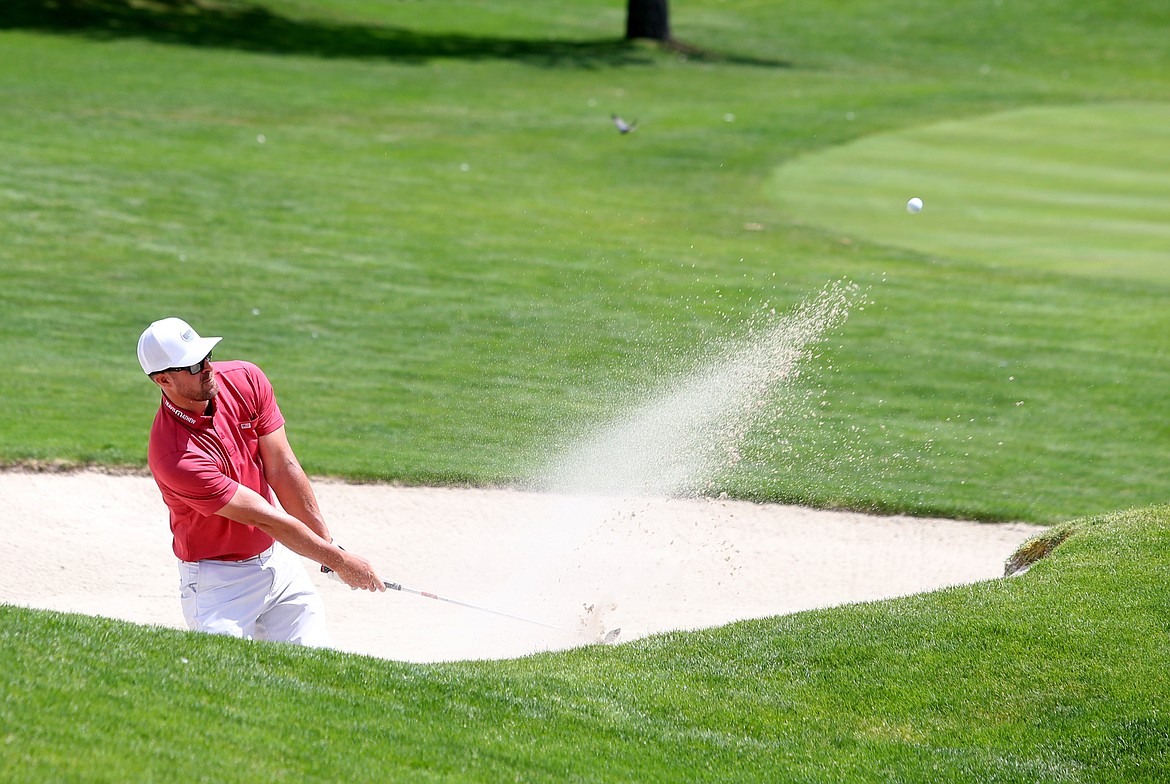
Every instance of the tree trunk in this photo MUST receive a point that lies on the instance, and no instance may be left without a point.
(648, 19)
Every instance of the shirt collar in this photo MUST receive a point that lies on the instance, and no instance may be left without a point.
(186, 416)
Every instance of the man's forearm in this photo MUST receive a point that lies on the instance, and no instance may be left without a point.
(295, 493)
(249, 508)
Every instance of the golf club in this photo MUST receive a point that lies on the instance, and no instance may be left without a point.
(399, 587)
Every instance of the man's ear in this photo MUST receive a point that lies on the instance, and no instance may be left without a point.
(162, 379)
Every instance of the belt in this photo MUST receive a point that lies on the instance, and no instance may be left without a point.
(259, 558)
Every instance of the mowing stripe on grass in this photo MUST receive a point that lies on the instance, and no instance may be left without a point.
(1075, 189)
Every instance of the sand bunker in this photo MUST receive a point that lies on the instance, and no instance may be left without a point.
(98, 544)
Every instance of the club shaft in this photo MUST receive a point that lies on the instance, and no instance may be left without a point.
(398, 587)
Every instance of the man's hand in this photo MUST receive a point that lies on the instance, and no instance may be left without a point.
(363, 585)
(357, 573)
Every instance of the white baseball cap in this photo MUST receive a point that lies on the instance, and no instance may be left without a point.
(171, 343)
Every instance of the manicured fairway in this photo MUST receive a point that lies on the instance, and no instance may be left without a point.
(420, 219)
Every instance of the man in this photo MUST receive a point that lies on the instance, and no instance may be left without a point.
(218, 451)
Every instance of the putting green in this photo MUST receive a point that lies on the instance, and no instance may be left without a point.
(1078, 189)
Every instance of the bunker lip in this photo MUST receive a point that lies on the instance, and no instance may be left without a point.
(97, 543)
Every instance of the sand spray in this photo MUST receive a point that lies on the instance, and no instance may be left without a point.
(668, 445)
(679, 436)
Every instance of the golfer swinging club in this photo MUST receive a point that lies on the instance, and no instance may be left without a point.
(218, 451)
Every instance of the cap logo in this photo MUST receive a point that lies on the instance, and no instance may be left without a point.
(188, 336)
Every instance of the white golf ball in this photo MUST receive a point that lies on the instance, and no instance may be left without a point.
(914, 205)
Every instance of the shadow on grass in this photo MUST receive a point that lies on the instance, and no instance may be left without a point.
(238, 24)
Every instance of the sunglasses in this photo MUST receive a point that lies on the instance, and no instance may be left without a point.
(194, 370)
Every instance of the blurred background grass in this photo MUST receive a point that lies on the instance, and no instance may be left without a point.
(422, 224)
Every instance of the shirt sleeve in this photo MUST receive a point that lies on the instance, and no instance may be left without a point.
(195, 480)
(268, 416)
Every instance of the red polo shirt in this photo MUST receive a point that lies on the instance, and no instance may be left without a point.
(198, 463)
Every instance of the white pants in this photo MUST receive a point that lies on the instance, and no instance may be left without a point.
(269, 597)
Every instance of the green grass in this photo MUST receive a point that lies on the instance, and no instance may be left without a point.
(451, 264)
(1055, 676)
(1075, 189)
(418, 219)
